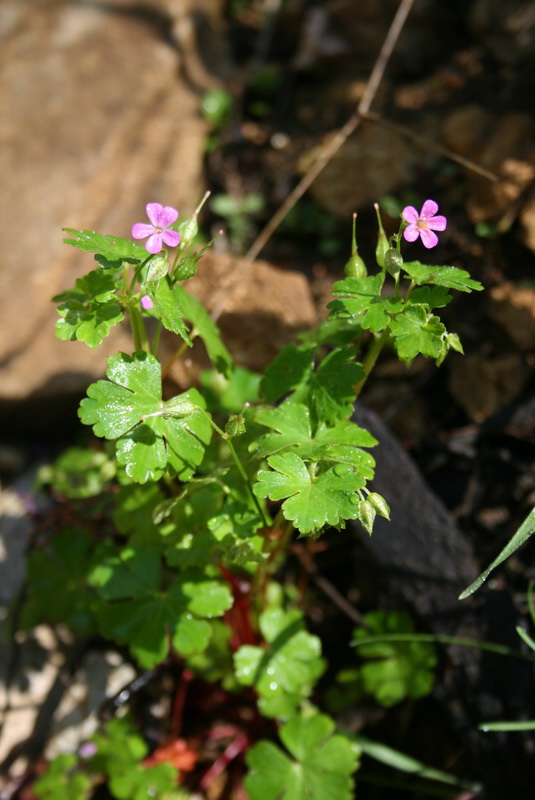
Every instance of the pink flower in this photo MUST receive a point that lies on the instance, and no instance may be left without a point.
(161, 218)
(423, 224)
(146, 303)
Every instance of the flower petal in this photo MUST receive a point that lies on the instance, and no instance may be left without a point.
(168, 216)
(437, 223)
(146, 303)
(154, 213)
(141, 230)
(154, 243)
(410, 214)
(429, 238)
(411, 233)
(171, 238)
(429, 209)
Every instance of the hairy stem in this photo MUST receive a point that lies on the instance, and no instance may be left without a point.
(369, 360)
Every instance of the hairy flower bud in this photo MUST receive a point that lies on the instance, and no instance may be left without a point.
(382, 241)
(355, 266)
(367, 515)
(379, 504)
(393, 261)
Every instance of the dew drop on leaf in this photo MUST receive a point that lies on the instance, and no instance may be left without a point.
(342, 469)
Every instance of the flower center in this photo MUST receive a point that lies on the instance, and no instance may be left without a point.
(422, 224)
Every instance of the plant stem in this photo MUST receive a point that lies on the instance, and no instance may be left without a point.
(239, 467)
(369, 360)
(178, 353)
(138, 329)
(156, 340)
(461, 641)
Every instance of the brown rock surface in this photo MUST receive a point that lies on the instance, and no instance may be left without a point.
(372, 163)
(95, 122)
(98, 121)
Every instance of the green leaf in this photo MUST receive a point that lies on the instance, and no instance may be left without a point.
(58, 583)
(450, 277)
(396, 670)
(526, 530)
(340, 443)
(133, 513)
(194, 311)
(60, 782)
(79, 472)
(89, 311)
(112, 248)
(416, 331)
(318, 764)
(404, 763)
(291, 368)
(361, 299)
(169, 307)
(141, 613)
(285, 673)
(230, 393)
(152, 435)
(312, 502)
(331, 390)
(120, 752)
(430, 296)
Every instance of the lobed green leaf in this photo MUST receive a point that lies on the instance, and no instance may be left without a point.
(450, 277)
(152, 435)
(311, 501)
(112, 248)
(89, 311)
(317, 764)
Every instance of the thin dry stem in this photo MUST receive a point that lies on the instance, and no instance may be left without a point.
(325, 156)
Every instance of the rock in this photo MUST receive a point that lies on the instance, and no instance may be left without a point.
(505, 147)
(464, 129)
(266, 306)
(482, 385)
(513, 308)
(507, 28)
(98, 122)
(372, 163)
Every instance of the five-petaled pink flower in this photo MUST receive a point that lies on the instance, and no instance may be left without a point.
(161, 218)
(423, 224)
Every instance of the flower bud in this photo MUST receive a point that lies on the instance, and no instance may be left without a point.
(382, 241)
(367, 515)
(393, 261)
(355, 266)
(235, 426)
(189, 228)
(186, 267)
(180, 406)
(379, 504)
(157, 266)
